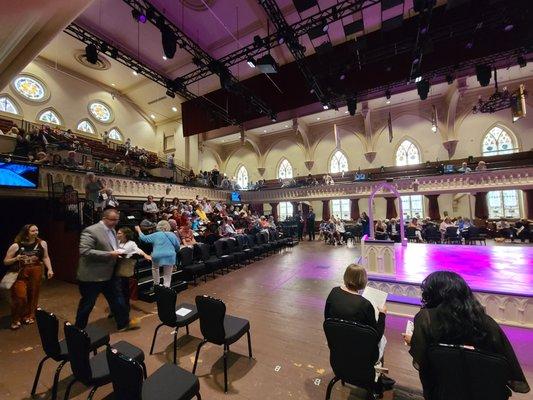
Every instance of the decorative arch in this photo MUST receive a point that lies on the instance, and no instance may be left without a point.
(281, 139)
(391, 188)
(215, 154)
(8, 104)
(236, 149)
(383, 126)
(325, 133)
(284, 169)
(86, 126)
(50, 116)
(242, 176)
(410, 148)
(502, 137)
(338, 162)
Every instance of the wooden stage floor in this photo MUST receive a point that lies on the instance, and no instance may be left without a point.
(283, 297)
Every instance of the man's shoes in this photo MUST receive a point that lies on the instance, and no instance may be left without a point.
(388, 383)
(132, 325)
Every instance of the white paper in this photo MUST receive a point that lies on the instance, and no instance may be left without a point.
(377, 297)
(182, 312)
(409, 328)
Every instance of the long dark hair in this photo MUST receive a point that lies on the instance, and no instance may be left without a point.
(462, 316)
(24, 234)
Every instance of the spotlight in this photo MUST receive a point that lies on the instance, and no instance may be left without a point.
(508, 27)
(449, 79)
(418, 79)
(91, 53)
(196, 61)
(138, 16)
(325, 25)
(170, 93)
(351, 102)
(175, 109)
(267, 64)
(483, 74)
(469, 44)
(521, 61)
(258, 41)
(168, 40)
(281, 38)
(422, 88)
(251, 62)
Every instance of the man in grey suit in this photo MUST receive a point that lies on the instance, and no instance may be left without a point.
(98, 257)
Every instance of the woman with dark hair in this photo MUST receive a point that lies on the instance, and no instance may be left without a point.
(27, 254)
(451, 314)
(365, 222)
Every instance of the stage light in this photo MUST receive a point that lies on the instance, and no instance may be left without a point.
(267, 64)
(251, 62)
(170, 93)
(325, 25)
(281, 38)
(342, 77)
(483, 74)
(168, 40)
(138, 16)
(258, 41)
(91, 53)
(422, 88)
(521, 61)
(150, 13)
(351, 102)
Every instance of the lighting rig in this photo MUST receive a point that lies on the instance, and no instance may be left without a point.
(90, 39)
(172, 35)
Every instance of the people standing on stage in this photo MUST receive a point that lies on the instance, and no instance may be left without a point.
(99, 251)
(365, 222)
(311, 224)
(300, 223)
(27, 255)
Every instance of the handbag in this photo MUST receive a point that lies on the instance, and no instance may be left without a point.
(8, 280)
(125, 267)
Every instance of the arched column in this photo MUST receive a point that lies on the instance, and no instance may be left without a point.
(354, 209)
(326, 214)
(529, 203)
(433, 206)
(481, 209)
(274, 211)
(295, 208)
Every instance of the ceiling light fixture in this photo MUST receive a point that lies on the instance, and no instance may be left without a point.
(251, 62)
(135, 73)
(152, 116)
(175, 109)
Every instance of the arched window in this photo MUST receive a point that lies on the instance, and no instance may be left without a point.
(101, 111)
(502, 203)
(285, 210)
(498, 141)
(50, 117)
(285, 169)
(30, 88)
(8, 106)
(407, 153)
(115, 134)
(86, 126)
(338, 163)
(242, 177)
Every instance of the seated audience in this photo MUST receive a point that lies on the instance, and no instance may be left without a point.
(70, 161)
(451, 314)
(187, 235)
(393, 230)
(445, 225)
(120, 168)
(464, 168)
(418, 229)
(381, 231)
(150, 208)
(481, 166)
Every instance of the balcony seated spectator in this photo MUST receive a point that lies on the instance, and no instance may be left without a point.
(481, 166)
(120, 168)
(70, 161)
(464, 168)
(328, 180)
(170, 161)
(105, 138)
(57, 161)
(13, 132)
(41, 158)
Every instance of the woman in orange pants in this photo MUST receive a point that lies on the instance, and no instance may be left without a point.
(27, 254)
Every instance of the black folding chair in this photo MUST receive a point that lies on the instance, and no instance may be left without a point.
(461, 373)
(242, 246)
(222, 253)
(192, 268)
(220, 329)
(93, 371)
(166, 310)
(169, 382)
(353, 354)
(212, 262)
(452, 236)
(56, 349)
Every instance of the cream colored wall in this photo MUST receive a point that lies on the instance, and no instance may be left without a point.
(350, 145)
(289, 150)
(206, 160)
(243, 156)
(69, 96)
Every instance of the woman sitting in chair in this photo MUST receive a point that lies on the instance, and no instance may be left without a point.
(452, 315)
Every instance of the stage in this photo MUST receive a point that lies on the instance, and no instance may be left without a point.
(501, 276)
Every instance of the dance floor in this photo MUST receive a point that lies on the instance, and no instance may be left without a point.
(495, 269)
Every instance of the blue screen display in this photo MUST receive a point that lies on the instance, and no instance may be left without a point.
(16, 175)
(235, 197)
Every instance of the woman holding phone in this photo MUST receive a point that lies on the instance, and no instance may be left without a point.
(27, 255)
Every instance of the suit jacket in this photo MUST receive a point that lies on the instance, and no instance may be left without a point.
(96, 265)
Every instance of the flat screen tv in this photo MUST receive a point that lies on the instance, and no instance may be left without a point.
(360, 176)
(449, 169)
(18, 175)
(235, 197)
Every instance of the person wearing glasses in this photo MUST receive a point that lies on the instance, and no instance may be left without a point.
(99, 251)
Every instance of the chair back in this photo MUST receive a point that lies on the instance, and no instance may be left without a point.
(353, 351)
(48, 326)
(186, 256)
(473, 231)
(204, 250)
(219, 248)
(251, 240)
(260, 238)
(451, 232)
(126, 375)
(411, 232)
(466, 374)
(240, 242)
(211, 312)
(166, 304)
(231, 245)
(79, 348)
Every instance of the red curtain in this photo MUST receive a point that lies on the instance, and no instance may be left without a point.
(354, 209)
(433, 207)
(257, 208)
(274, 211)
(391, 208)
(529, 205)
(481, 208)
(326, 215)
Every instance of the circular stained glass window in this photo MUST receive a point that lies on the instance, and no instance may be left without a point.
(100, 111)
(30, 88)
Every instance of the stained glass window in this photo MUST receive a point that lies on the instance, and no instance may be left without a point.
(407, 153)
(50, 117)
(285, 210)
(413, 207)
(242, 177)
(29, 87)
(503, 204)
(285, 169)
(341, 208)
(100, 111)
(86, 126)
(8, 106)
(115, 134)
(498, 141)
(338, 163)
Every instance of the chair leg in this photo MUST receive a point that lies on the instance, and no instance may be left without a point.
(175, 344)
(249, 344)
(205, 277)
(67, 392)
(38, 375)
(56, 379)
(198, 396)
(197, 353)
(153, 340)
(92, 392)
(226, 349)
(330, 387)
(187, 329)
(145, 372)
